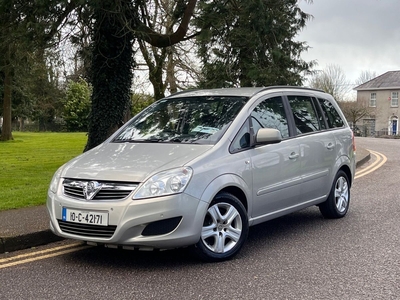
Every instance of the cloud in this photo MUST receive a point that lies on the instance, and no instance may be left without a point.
(356, 35)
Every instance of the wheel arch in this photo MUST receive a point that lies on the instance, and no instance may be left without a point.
(238, 193)
(346, 169)
(344, 163)
(229, 183)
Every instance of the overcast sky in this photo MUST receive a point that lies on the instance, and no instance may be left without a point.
(357, 35)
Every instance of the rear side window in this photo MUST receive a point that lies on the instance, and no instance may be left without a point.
(332, 116)
(304, 114)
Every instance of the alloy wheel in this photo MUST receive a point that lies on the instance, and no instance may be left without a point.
(341, 194)
(222, 227)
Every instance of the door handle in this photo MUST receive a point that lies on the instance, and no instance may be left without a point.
(330, 146)
(293, 155)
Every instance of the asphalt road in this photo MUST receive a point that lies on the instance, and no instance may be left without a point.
(300, 256)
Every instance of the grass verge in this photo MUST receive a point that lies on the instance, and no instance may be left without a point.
(28, 163)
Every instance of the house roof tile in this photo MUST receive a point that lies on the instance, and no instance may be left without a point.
(388, 80)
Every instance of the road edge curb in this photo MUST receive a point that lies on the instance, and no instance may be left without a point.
(29, 240)
(363, 160)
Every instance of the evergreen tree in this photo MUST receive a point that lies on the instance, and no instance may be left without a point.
(251, 43)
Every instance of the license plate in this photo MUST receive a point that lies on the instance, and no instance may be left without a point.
(84, 217)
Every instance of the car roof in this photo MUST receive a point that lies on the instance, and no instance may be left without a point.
(239, 92)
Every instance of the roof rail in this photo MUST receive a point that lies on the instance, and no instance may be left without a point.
(292, 86)
(260, 89)
(182, 92)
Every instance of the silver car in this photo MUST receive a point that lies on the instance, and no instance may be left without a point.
(198, 168)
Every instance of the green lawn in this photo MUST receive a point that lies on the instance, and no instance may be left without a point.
(28, 163)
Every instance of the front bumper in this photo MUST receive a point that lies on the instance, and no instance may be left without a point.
(132, 217)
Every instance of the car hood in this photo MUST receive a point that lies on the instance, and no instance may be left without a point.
(130, 162)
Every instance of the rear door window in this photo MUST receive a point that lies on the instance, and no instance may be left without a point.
(304, 114)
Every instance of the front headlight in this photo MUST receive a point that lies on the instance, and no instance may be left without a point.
(165, 183)
(55, 180)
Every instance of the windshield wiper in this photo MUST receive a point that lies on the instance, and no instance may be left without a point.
(139, 141)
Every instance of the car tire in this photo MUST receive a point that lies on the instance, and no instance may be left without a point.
(337, 204)
(225, 229)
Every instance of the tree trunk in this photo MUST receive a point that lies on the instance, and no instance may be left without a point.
(171, 79)
(6, 133)
(155, 77)
(155, 68)
(21, 123)
(111, 75)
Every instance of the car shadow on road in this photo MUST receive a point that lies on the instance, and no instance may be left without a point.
(265, 240)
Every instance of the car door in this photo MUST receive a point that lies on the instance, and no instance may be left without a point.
(275, 167)
(336, 126)
(317, 147)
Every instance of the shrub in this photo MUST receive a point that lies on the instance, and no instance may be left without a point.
(77, 106)
(140, 102)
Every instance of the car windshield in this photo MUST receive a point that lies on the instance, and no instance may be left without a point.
(200, 120)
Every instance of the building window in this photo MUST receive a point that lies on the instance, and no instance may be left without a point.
(395, 98)
(372, 100)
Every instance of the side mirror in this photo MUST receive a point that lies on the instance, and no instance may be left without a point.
(268, 136)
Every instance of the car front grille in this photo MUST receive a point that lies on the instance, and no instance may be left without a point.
(78, 189)
(87, 230)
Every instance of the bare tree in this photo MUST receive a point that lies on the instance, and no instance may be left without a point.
(166, 64)
(331, 80)
(365, 76)
(355, 110)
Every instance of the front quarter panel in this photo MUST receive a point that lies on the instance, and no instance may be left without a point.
(227, 181)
